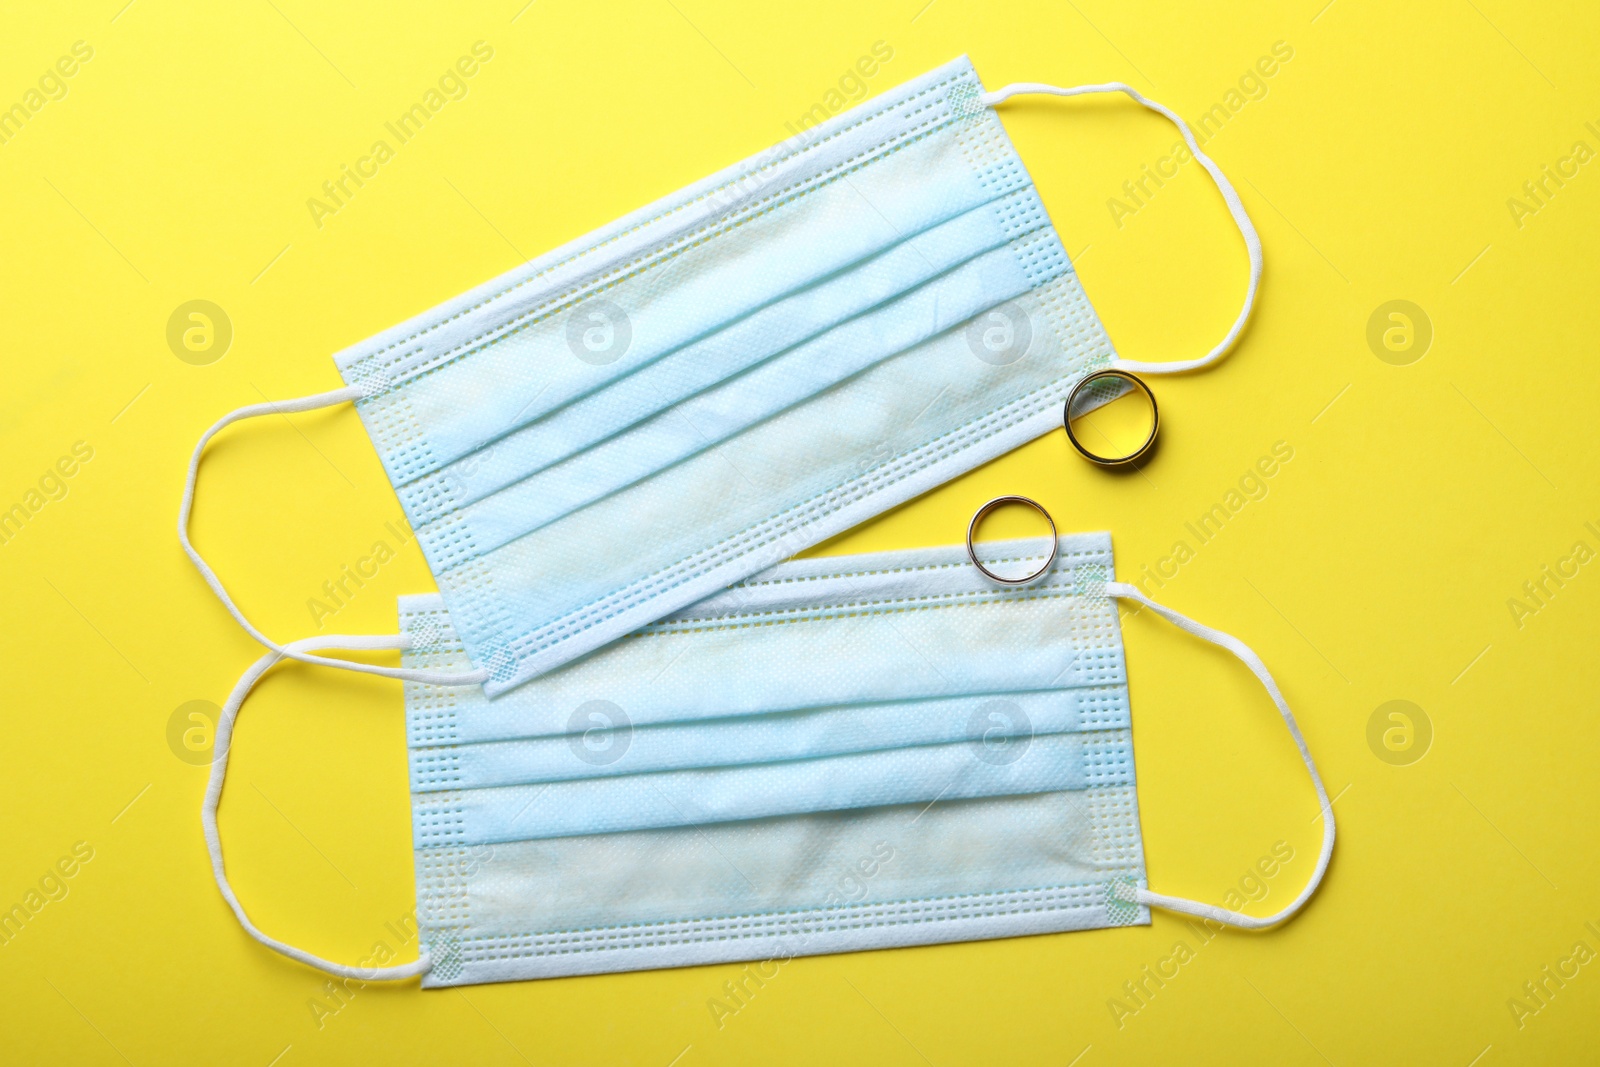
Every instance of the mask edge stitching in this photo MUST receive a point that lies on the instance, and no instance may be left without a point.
(1073, 891)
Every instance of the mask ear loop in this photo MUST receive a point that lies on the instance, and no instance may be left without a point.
(219, 774)
(285, 407)
(1241, 218)
(1259, 669)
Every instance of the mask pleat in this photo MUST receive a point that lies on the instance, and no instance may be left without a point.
(986, 721)
(697, 797)
(711, 418)
(818, 686)
(780, 326)
(674, 297)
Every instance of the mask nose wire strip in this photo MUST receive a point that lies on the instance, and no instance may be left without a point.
(219, 773)
(285, 407)
(1247, 230)
(1259, 669)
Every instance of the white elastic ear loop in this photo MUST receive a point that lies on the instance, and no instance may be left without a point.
(219, 773)
(1247, 230)
(1259, 669)
(284, 407)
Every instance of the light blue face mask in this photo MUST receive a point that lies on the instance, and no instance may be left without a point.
(663, 407)
(841, 753)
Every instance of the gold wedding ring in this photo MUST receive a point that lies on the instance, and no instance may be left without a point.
(1001, 501)
(1112, 461)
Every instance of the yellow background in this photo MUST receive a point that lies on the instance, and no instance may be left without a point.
(1377, 166)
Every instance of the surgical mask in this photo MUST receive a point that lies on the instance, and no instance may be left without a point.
(791, 346)
(840, 753)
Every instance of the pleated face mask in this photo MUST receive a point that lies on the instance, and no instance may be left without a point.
(668, 405)
(840, 753)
